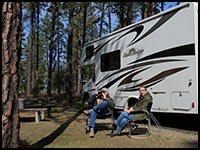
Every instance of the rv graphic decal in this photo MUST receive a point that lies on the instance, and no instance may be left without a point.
(120, 77)
(154, 80)
(132, 52)
(138, 31)
(176, 51)
(135, 67)
(97, 49)
(157, 78)
(156, 26)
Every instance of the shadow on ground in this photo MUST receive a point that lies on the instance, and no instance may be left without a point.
(50, 138)
(24, 144)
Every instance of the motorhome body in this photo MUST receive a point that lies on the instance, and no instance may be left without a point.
(160, 52)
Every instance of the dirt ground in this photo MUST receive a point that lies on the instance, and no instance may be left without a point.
(66, 129)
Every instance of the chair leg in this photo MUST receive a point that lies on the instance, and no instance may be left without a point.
(130, 127)
(149, 127)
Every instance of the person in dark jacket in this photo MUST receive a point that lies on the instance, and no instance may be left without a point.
(125, 117)
(99, 102)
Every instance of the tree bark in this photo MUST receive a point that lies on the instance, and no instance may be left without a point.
(153, 8)
(84, 22)
(30, 71)
(121, 16)
(37, 47)
(79, 46)
(102, 19)
(69, 79)
(109, 17)
(162, 6)
(51, 47)
(11, 50)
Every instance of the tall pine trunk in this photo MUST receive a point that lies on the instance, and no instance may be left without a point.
(11, 49)
(84, 21)
(69, 79)
(51, 47)
(109, 17)
(30, 71)
(37, 47)
(79, 85)
(102, 19)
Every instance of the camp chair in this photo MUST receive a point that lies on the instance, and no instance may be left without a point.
(105, 113)
(133, 125)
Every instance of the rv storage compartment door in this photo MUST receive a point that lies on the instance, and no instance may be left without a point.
(181, 100)
(120, 102)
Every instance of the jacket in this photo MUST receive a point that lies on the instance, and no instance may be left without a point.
(142, 104)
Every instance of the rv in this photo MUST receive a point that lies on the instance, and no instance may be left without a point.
(159, 52)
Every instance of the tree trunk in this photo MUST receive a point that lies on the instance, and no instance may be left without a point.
(69, 79)
(11, 50)
(128, 13)
(146, 6)
(58, 59)
(84, 22)
(162, 6)
(121, 15)
(51, 48)
(79, 85)
(101, 20)
(109, 17)
(153, 8)
(30, 71)
(37, 49)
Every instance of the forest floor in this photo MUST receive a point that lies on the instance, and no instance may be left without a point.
(66, 129)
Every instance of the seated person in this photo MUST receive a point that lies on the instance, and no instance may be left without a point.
(103, 100)
(125, 117)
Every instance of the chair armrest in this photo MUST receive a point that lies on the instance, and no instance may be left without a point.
(137, 112)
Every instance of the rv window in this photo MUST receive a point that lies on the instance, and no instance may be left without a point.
(110, 61)
(89, 51)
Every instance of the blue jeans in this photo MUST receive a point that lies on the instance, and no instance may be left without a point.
(96, 109)
(123, 120)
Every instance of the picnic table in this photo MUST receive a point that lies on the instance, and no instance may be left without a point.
(40, 112)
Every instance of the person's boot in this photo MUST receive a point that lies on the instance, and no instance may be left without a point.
(91, 133)
(114, 134)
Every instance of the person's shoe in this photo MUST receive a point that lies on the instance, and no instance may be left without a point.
(114, 134)
(87, 112)
(91, 134)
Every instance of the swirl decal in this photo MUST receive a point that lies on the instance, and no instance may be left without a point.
(157, 78)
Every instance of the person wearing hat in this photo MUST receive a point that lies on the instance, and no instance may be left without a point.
(98, 102)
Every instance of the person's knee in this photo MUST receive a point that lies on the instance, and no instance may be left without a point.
(124, 121)
(104, 102)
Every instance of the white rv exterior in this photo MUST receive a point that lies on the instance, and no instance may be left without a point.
(160, 52)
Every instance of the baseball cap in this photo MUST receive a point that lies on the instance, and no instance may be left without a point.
(104, 90)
